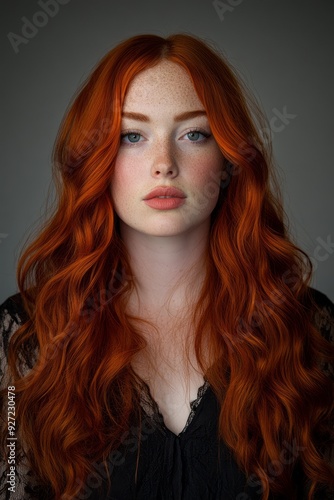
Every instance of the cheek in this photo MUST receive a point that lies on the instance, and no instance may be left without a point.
(207, 172)
(206, 178)
(126, 187)
(120, 180)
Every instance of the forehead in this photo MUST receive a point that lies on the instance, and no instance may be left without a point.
(166, 83)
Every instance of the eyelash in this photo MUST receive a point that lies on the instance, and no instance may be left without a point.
(205, 134)
(200, 131)
(129, 132)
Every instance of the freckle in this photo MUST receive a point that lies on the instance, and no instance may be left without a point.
(163, 83)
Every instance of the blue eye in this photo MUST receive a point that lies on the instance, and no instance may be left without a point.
(196, 136)
(131, 137)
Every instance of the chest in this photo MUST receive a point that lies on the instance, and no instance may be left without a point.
(173, 381)
(169, 366)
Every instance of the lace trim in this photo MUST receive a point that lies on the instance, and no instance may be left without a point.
(151, 408)
(10, 320)
(195, 404)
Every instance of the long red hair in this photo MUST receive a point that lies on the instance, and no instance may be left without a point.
(75, 403)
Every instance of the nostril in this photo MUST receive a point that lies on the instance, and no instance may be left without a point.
(164, 170)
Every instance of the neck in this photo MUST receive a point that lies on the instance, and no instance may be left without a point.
(167, 269)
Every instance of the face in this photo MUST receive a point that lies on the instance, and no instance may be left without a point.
(169, 167)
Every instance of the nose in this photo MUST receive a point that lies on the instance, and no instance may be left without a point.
(164, 162)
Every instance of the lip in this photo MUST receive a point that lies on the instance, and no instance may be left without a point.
(176, 198)
(169, 191)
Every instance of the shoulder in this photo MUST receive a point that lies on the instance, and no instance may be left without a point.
(12, 315)
(321, 299)
(13, 306)
(323, 314)
(323, 319)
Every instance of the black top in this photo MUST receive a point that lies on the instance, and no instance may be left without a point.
(193, 465)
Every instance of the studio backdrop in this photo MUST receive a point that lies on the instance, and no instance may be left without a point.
(283, 51)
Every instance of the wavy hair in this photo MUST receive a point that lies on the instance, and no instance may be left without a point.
(255, 307)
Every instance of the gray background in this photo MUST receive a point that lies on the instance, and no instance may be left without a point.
(282, 49)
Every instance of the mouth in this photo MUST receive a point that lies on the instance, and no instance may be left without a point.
(165, 198)
(165, 192)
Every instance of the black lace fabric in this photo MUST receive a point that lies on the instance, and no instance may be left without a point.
(152, 410)
(199, 431)
(12, 316)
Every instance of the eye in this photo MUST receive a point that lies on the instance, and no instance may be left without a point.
(131, 137)
(197, 135)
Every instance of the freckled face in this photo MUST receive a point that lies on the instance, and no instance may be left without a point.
(166, 143)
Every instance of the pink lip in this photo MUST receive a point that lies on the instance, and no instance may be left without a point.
(165, 191)
(176, 198)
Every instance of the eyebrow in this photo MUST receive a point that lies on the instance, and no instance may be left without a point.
(187, 115)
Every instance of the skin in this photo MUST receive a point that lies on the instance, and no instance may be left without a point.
(165, 155)
(165, 246)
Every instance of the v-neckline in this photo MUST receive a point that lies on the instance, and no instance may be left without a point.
(151, 407)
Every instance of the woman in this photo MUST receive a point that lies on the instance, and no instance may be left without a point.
(166, 342)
